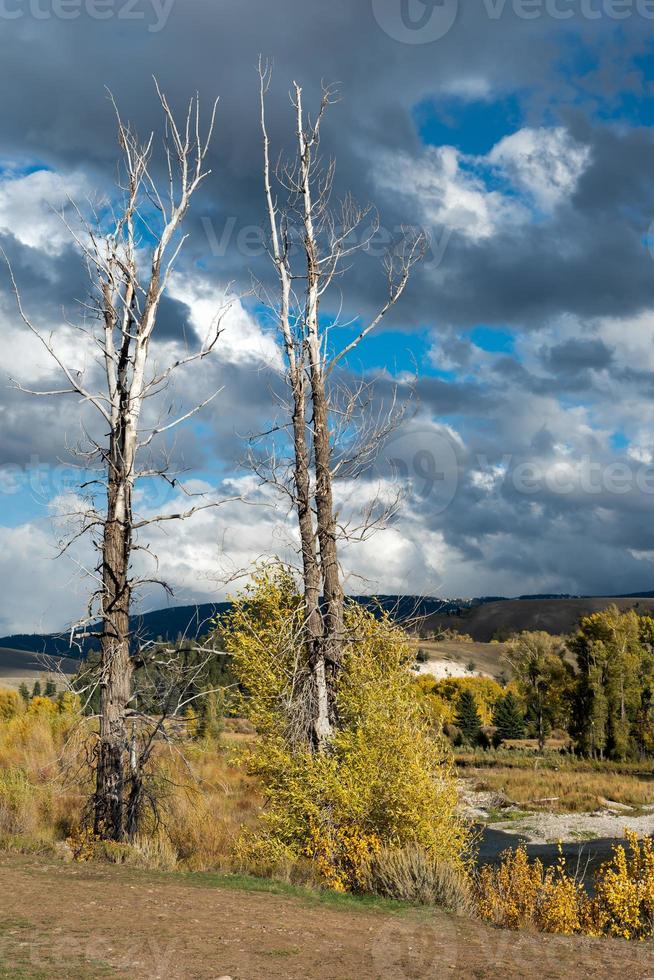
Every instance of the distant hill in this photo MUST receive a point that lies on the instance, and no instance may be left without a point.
(496, 620)
(21, 665)
(484, 618)
(192, 621)
(167, 624)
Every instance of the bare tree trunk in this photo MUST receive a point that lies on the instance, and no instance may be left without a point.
(322, 453)
(295, 357)
(115, 666)
(311, 575)
(331, 577)
(541, 723)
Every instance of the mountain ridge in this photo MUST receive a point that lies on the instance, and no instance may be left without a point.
(172, 622)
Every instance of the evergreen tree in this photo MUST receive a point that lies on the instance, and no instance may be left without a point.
(50, 689)
(24, 691)
(467, 718)
(210, 715)
(508, 718)
(36, 690)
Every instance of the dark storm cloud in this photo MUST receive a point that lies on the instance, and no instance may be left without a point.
(576, 355)
(589, 258)
(60, 69)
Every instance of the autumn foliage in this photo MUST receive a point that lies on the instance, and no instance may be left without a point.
(385, 781)
(521, 893)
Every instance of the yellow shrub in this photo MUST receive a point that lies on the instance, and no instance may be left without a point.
(448, 690)
(624, 891)
(561, 901)
(519, 893)
(41, 706)
(11, 703)
(436, 710)
(508, 894)
(384, 781)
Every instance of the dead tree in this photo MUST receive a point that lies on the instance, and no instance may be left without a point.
(293, 343)
(129, 260)
(311, 245)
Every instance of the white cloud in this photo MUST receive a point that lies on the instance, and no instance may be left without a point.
(448, 194)
(39, 591)
(640, 454)
(242, 339)
(540, 167)
(544, 163)
(28, 206)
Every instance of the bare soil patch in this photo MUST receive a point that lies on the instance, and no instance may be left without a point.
(486, 657)
(80, 921)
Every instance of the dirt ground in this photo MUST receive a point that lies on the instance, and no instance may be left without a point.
(82, 921)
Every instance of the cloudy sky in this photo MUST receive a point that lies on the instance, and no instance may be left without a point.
(519, 135)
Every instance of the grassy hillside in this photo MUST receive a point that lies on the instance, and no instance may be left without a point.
(193, 621)
(484, 619)
(17, 666)
(499, 619)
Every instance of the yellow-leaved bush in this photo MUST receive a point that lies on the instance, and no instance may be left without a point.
(520, 893)
(384, 780)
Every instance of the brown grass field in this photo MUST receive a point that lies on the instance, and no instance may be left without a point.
(564, 790)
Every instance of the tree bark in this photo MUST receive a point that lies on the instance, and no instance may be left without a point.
(295, 355)
(116, 667)
(322, 728)
(322, 451)
(331, 578)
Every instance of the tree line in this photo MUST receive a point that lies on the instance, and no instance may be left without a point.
(595, 686)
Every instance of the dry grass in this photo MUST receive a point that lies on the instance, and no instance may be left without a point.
(411, 874)
(566, 790)
(208, 800)
(204, 797)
